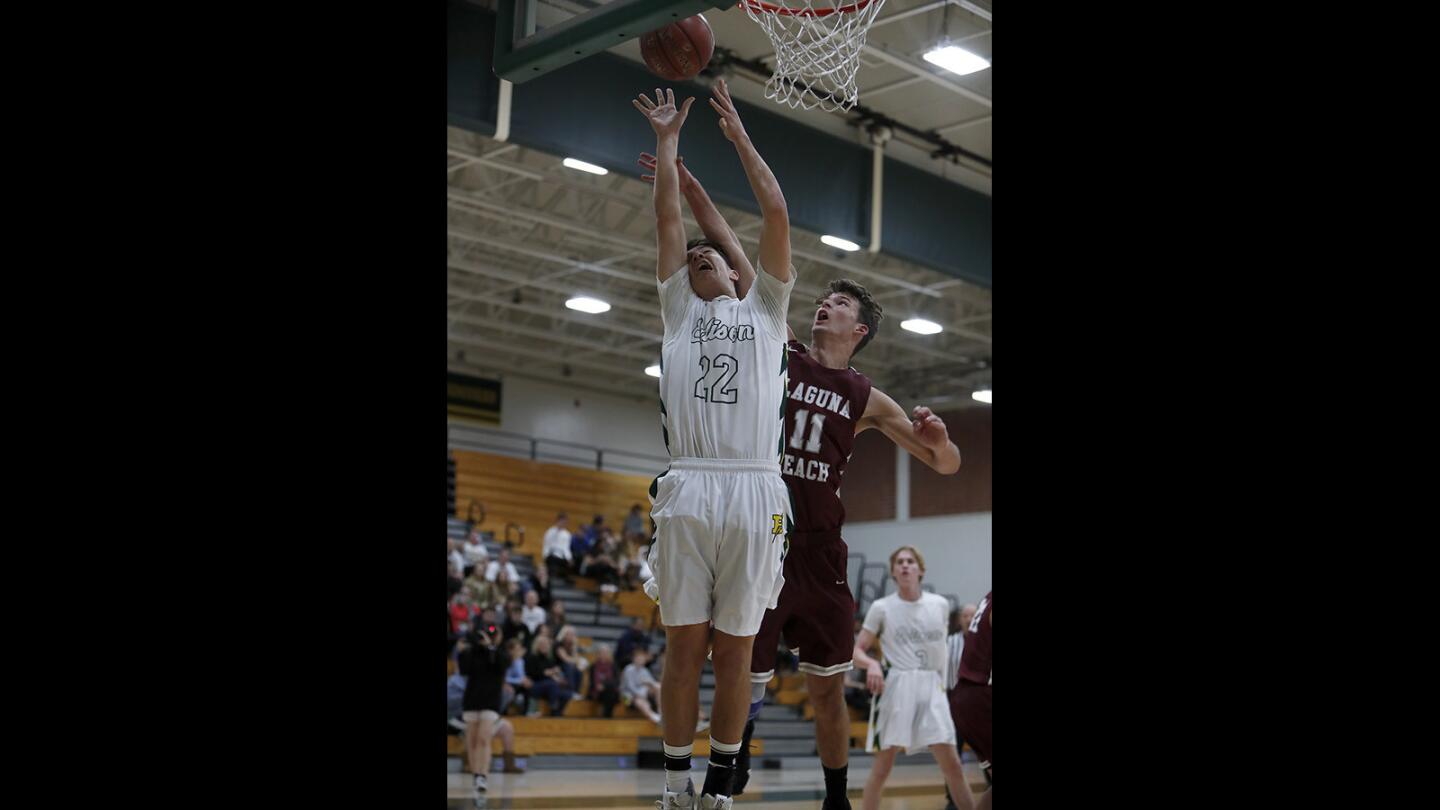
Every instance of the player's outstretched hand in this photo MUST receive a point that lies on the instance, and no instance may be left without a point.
(647, 162)
(729, 117)
(929, 428)
(662, 113)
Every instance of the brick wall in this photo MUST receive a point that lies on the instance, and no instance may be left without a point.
(869, 489)
(967, 490)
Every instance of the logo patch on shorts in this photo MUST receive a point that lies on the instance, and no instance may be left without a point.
(778, 524)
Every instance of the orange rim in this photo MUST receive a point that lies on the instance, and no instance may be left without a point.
(770, 8)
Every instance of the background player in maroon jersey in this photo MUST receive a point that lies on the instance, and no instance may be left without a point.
(828, 404)
(970, 699)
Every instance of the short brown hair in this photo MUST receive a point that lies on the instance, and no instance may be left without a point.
(919, 558)
(870, 310)
(713, 245)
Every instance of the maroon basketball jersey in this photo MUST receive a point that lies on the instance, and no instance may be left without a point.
(821, 411)
(975, 660)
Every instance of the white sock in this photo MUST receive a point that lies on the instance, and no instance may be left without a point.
(479, 782)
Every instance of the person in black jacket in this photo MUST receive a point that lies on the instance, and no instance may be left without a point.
(484, 665)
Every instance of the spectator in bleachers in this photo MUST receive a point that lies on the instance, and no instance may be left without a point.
(580, 543)
(482, 592)
(506, 588)
(454, 699)
(557, 546)
(461, 611)
(602, 563)
(456, 559)
(549, 679)
(539, 582)
(635, 568)
(492, 571)
(592, 532)
(604, 680)
(634, 638)
(557, 618)
(567, 650)
(532, 614)
(475, 551)
(517, 684)
(514, 625)
(634, 528)
(638, 687)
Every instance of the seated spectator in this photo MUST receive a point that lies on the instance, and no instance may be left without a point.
(639, 688)
(634, 638)
(475, 551)
(543, 632)
(461, 611)
(514, 624)
(454, 699)
(502, 563)
(505, 587)
(600, 562)
(549, 679)
(557, 618)
(634, 567)
(592, 532)
(580, 543)
(532, 614)
(557, 546)
(634, 528)
(457, 560)
(517, 684)
(482, 592)
(567, 650)
(539, 582)
(604, 680)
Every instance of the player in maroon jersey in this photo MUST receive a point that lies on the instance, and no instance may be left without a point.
(970, 699)
(828, 404)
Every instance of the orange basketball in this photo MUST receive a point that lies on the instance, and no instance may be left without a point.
(680, 50)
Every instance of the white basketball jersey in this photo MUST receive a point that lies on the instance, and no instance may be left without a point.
(722, 370)
(912, 634)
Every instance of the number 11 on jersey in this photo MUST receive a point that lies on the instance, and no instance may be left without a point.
(817, 426)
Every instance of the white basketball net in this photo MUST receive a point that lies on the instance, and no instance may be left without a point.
(817, 49)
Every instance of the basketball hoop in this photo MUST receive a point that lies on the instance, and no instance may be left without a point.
(817, 50)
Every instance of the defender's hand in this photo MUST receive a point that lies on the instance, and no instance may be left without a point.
(929, 428)
(729, 118)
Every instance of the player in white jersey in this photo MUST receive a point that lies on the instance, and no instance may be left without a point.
(914, 711)
(721, 509)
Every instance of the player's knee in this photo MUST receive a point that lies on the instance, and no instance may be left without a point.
(730, 657)
(823, 688)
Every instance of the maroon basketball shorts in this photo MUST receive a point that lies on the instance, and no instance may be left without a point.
(970, 709)
(815, 612)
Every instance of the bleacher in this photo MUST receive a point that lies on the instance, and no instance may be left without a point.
(522, 494)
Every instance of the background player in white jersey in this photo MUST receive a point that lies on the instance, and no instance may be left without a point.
(914, 711)
(720, 509)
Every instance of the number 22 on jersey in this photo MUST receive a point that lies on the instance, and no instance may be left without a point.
(716, 374)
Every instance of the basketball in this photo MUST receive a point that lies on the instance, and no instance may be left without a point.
(680, 50)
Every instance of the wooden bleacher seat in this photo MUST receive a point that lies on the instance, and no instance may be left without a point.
(529, 493)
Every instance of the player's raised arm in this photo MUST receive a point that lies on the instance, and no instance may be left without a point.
(924, 436)
(775, 234)
(712, 223)
(666, 119)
